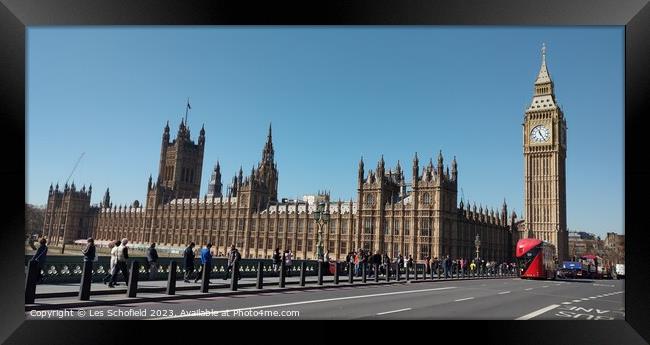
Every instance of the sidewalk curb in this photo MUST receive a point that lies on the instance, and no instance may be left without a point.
(95, 303)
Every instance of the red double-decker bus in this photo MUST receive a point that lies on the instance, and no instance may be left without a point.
(536, 259)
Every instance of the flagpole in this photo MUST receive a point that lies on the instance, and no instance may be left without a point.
(187, 107)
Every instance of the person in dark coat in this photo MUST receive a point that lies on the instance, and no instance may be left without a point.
(152, 260)
(39, 257)
(89, 251)
(188, 261)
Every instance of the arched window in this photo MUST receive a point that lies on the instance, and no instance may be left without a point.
(426, 198)
(369, 200)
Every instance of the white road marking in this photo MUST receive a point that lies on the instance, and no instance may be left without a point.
(545, 286)
(566, 302)
(538, 312)
(576, 300)
(528, 289)
(309, 302)
(585, 299)
(463, 299)
(603, 285)
(504, 292)
(592, 297)
(394, 311)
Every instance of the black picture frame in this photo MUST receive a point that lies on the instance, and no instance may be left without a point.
(16, 15)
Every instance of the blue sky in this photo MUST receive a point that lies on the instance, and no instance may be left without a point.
(332, 94)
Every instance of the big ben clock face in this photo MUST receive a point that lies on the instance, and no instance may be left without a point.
(540, 134)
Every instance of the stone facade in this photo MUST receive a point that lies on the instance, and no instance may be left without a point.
(544, 139)
(422, 218)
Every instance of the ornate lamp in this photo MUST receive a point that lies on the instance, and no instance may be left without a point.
(321, 217)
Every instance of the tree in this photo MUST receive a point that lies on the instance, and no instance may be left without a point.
(34, 217)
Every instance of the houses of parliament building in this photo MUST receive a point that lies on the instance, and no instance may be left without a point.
(421, 218)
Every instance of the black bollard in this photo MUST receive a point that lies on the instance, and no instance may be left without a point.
(415, 272)
(235, 275)
(397, 272)
(205, 278)
(363, 273)
(376, 272)
(281, 282)
(387, 268)
(260, 275)
(86, 279)
(171, 278)
(351, 273)
(320, 273)
(407, 273)
(133, 279)
(336, 272)
(303, 272)
(33, 269)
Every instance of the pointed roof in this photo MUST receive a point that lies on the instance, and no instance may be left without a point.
(543, 77)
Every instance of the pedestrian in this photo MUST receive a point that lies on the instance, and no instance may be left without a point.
(277, 260)
(446, 266)
(409, 263)
(385, 264)
(188, 261)
(327, 256)
(89, 251)
(122, 255)
(233, 259)
(472, 267)
(113, 261)
(206, 261)
(288, 262)
(39, 257)
(152, 259)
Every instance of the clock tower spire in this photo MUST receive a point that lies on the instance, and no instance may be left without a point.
(544, 165)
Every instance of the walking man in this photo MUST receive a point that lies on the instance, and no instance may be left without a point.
(233, 258)
(188, 261)
(206, 259)
(152, 259)
(122, 255)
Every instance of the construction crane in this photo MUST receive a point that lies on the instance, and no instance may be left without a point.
(75, 167)
(66, 182)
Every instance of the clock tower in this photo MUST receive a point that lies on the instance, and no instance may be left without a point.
(544, 135)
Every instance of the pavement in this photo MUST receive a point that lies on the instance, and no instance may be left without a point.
(503, 298)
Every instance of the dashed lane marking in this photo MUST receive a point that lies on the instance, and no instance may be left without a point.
(538, 312)
(464, 299)
(393, 311)
(309, 302)
(528, 289)
(504, 292)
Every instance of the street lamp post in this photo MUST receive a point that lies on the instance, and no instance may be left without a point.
(477, 243)
(321, 217)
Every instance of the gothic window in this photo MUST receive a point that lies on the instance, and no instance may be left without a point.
(396, 227)
(290, 224)
(301, 226)
(310, 228)
(343, 249)
(370, 200)
(406, 227)
(310, 245)
(281, 226)
(386, 228)
(367, 226)
(298, 245)
(330, 247)
(344, 227)
(426, 198)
